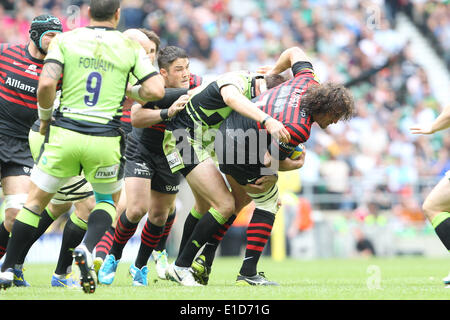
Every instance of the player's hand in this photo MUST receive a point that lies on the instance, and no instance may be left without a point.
(277, 130)
(44, 127)
(422, 128)
(291, 164)
(178, 105)
(263, 184)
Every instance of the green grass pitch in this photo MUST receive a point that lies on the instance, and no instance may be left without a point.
(402, 278)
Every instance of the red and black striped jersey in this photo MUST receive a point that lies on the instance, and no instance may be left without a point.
(284, 104)
(19, 75)
(155, 133)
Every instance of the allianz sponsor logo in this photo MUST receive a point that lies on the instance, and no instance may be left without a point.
(14, 83)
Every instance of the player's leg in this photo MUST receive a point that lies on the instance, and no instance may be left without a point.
(104, 245)
(258, 233)
(209, 184)
(15, 185)
(437, 209)
(102, 162)
(42, 189)
(73, 233)
(165, 186)
(202, 265)
(160, 206)
(138, 202)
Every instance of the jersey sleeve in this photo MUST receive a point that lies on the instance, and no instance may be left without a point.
(305, 69)
(234, 79)
(170, 96)
(143, 68)
(299, 134)
(55, 51)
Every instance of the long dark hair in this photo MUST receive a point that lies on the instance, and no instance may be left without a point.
(329, 98)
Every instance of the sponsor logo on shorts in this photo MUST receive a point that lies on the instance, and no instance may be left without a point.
(107, 172)
(141, 169)
(27, 170)
(174, 160)
(171, 188)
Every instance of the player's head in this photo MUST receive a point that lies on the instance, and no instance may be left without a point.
(328, 103)
(139, 36)
(105, 10)
(153, 37)
(173, 65)
(43, 29)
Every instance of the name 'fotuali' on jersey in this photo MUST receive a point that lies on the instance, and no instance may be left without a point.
(96, 63)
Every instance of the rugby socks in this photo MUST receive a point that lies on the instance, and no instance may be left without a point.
(73, 234)
(209, 251)
(47, 218)
(4, 237)
(258, 233)
(441, 224)
(167, 227)
(125, 229)
(99, 221)
(22, 232)
(105, 243)
(189, 225)
(206, 227)
(150, 237)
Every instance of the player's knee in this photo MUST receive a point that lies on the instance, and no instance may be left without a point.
(227, 207)
(429, 209)
(136, 211)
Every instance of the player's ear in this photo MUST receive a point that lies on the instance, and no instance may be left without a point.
(163, 72)
(117, 14)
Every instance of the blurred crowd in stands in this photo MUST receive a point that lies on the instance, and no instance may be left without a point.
(372, 158)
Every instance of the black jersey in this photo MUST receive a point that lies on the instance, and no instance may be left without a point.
(153, 136)
(19, 76)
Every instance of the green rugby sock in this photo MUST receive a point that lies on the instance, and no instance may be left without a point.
(22, 233)
(441, 224)
(189, 225)
(206, 227)
(47, 218)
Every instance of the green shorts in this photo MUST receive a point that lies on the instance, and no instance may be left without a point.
(184, 150)
(68, 153)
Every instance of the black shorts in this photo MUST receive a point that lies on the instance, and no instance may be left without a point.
(143, 163)
(15, 157)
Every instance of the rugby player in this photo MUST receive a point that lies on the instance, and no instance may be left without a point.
(150, 42)
(246, 152)
(20, 66)
(85, 135)
(151, 185)
(188, 144)
(436, 206)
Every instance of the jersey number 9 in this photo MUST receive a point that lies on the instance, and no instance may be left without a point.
(93, 85)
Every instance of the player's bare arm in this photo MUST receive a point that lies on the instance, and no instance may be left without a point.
(142, 118)
(238, 102)
(46, 93)
(288, 58)
(48, 80)
(151, 89)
